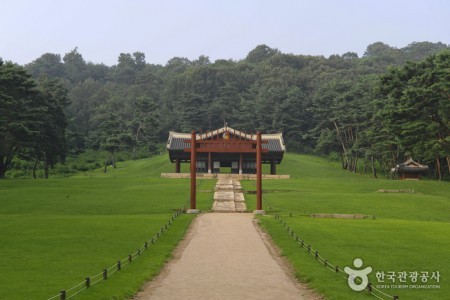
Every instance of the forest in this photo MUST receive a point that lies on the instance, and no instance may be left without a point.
(370, 112)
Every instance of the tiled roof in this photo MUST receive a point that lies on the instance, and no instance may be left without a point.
(274, 143)
(410, 166)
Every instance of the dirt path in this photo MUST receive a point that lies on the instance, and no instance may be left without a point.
(224, 256)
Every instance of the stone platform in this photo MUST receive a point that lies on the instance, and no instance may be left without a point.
(223, 176)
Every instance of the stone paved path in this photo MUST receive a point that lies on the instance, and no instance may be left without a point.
(224, 256)
(228, 196)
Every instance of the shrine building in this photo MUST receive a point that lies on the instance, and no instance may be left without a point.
(226, 148)
(410, 170)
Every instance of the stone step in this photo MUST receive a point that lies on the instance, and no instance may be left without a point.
(224, 206)
(224, 195)
(228, 196)
(240, 206)
(239, 197)
(224, 188)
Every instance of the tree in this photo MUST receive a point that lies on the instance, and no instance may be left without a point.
(260, 53)
(201, 61)
(221, 109)
(417, 51)
(19, 113)
(350, 55)
(85, 97)
(113, 137)
(192, 113)
(325, 104)
(294, 120)
(48, 64)
(128, 67)
(50, 143)
(144, 125)
(75, 66)
(416, 108)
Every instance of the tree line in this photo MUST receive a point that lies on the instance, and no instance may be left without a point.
(370, 112)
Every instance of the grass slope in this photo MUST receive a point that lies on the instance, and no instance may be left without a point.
(56, 232)
(410, 233)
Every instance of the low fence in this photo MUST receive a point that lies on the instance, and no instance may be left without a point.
(105, 273)
(336, 269)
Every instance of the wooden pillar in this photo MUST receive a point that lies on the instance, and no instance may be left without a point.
(273, 167)
(193, 170)
(240, 163)
(177, 166)
(258, 172)
(209, 163)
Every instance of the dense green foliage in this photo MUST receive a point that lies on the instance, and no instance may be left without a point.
(32, 118)
(409, 232)
(416, 102)
(355, 109)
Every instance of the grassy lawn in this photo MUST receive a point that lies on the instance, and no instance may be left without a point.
(410, 232)
(56, 232)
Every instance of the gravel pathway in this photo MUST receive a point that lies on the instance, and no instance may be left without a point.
(225, 256)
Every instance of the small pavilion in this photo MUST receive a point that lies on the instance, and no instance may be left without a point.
(410, 170)
(227, 150)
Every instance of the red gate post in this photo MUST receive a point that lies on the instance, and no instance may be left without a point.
(258, 175)
(193, 209)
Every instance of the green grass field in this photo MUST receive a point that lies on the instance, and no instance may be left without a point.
(56, 232)
(410, 231)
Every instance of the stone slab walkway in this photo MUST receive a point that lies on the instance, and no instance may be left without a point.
(228, 196)
(224, 256)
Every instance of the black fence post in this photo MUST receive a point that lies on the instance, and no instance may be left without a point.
(119, 265)
(337, 269)
(88, 282)
(63, 295)
(105, 274)
(130, 258)
(369, 287)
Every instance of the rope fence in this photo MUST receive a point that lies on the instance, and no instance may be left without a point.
(92, 280)
(105, 273)
(336, 269)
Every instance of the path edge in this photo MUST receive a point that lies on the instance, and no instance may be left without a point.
(276, 253)
(146, 289)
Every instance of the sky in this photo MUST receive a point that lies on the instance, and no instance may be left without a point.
(219, 29)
